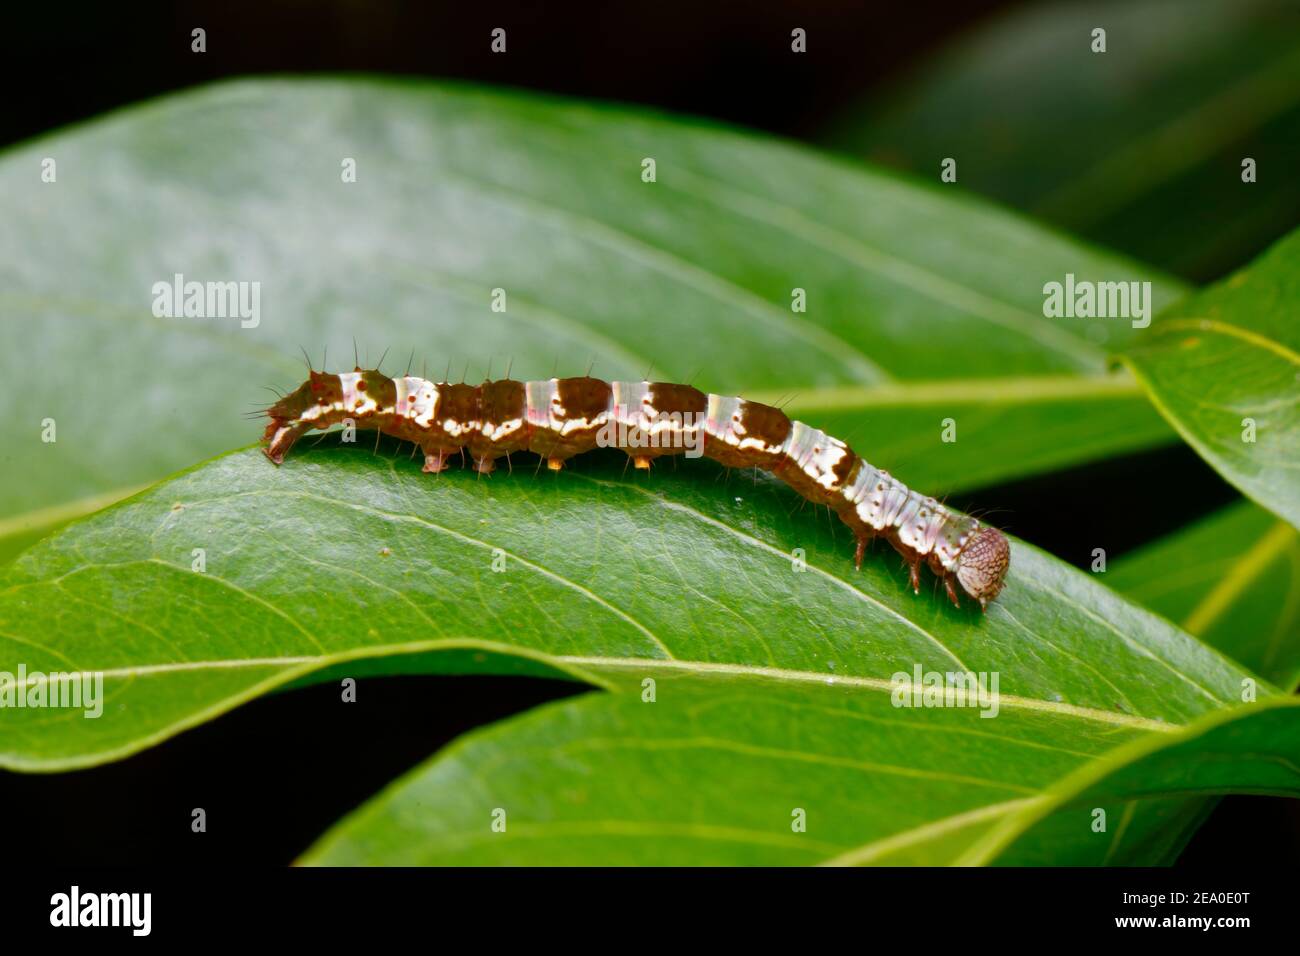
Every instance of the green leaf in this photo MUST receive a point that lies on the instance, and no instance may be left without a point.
(1233, 580)
(1173, 576)
(1223, 366)
(685, 576)
(920, 305)
(1139, 148)
(1251, 749)
(713, 773)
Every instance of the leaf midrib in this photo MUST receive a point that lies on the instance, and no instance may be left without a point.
(1243, 571)
(301, 665)
(1249, 336)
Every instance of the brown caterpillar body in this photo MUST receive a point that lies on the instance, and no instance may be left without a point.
(560, 418)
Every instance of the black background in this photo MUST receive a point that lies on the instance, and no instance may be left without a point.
(724, 59)
(277, 772)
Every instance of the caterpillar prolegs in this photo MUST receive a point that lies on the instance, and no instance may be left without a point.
(561, 417)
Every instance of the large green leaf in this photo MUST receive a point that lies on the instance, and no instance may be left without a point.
(687, 577)
(1223, 366)
(342, 552)
(921, 306)
(714, 773)
(1139, 148)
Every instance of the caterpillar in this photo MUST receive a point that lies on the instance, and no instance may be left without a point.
(558, 418)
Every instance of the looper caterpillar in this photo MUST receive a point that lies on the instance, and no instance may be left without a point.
(561, 417)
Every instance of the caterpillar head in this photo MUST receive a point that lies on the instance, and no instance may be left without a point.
(983, 564)
(321, 390)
